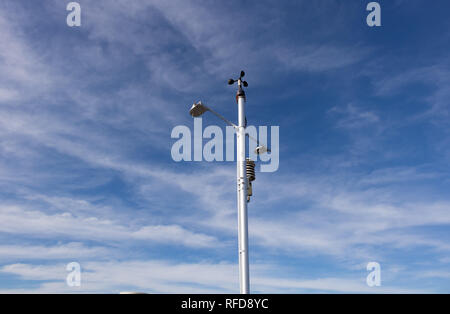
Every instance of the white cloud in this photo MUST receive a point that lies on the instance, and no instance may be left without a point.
(353, 117)
(398, 174)
(175, 234)
(58, 252)
(440, 274)
(435, 76)
(20, 67)
(320, 58)
(17, 221)
(164, 277)
(336, 217)
(7, 95)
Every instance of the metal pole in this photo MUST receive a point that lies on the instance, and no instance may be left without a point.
(244, 276)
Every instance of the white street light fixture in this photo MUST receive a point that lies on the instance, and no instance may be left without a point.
(198, 109)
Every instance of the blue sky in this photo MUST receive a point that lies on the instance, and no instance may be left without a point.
(86, 173)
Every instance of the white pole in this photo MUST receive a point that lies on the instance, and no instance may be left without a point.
(244, 276)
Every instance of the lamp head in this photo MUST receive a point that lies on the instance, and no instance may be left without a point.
(198, 109)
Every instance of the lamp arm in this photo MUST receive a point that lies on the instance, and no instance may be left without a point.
(236, 128)
(223, 118)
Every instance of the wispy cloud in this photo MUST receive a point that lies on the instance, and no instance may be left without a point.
(17, 221)
(74, 250)
(353, 117)
(320, 58)
(165, 277)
